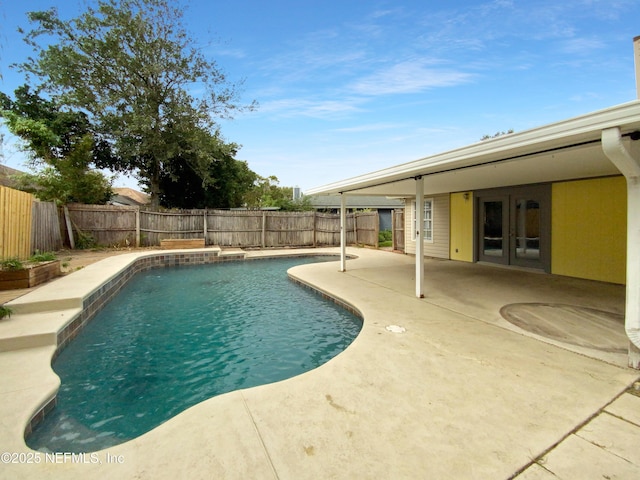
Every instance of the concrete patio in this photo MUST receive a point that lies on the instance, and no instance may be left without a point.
(456, 392)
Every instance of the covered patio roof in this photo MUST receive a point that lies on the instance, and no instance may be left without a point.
(598, 144)
(565, 150)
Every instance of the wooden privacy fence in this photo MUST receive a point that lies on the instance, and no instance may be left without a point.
(397, 229)
(106, 224)
(111, 225)
(15, 223)
(27, 225)
(45, 227)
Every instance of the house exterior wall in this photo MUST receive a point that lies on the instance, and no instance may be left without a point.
(461, 220)
(588, 229)
(384, 214)
(439, 247)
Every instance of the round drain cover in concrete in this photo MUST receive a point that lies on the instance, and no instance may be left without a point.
(395, 329)
(585, 327)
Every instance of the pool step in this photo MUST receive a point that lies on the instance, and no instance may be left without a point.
(34, 329)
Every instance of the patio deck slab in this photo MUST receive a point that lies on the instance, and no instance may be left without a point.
(461, 393)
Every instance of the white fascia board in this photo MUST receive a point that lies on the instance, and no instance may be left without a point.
(556, 135)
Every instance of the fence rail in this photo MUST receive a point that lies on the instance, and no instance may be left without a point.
(111, 225)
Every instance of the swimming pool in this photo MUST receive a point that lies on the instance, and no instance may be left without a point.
(177, 336)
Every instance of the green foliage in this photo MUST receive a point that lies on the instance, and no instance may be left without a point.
(42, 257)
(85, 241)
(11, 264)
(5, 311)
(51, 185)
(222, 184)
(267, 192)
(14, 263)
(385, 236)
(131, 65)
(61, 144)
(496, 135)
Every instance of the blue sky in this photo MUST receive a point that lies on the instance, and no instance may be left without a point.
(348, 87)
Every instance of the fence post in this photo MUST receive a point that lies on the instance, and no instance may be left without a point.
(205, 226)
(376, 231)
(264, 227)
(355, 226)
(138, 227)
(393, 230)
(67, 219)
(315, 228)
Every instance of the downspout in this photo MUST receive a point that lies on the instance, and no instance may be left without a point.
(629, 166)
(343, 232)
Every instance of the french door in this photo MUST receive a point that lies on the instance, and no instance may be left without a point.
(514, 226)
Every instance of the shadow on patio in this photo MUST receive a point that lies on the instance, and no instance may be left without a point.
(583, 316)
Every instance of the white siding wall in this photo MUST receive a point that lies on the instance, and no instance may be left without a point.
(439, 248)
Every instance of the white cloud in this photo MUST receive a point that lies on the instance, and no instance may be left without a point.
(408, 77)
(231, 52)
(373, 127)
(291, 107)
(582, 46)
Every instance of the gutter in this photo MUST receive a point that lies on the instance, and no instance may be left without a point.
(547, 139)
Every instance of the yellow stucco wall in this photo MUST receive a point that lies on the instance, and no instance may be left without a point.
(461, 237)
(588, 229)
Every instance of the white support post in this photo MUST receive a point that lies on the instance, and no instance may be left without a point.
(629, 166)
(419, 239)
(632, 310)
(343, 232)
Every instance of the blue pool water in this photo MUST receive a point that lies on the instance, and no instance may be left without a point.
(177, 336)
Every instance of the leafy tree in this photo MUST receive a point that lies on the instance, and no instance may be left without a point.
(228, 181)
(267, 192)
(496, 135)
(62, 143)
(131, 65)
(51, 185)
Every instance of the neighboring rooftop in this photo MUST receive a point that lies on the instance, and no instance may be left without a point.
(129, 196)
(5, 176)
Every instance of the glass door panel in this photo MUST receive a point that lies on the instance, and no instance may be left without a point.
(494, 228)
(527, 229)
(493, 239)
(514, 226)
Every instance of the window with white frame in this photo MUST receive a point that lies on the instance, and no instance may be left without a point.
(427, 235)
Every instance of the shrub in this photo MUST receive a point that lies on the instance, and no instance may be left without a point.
(85, 241)
(385, 236)
(42, 257)
(5, 312)
(11, 264)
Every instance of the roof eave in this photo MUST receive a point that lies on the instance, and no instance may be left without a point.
(568, 132)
